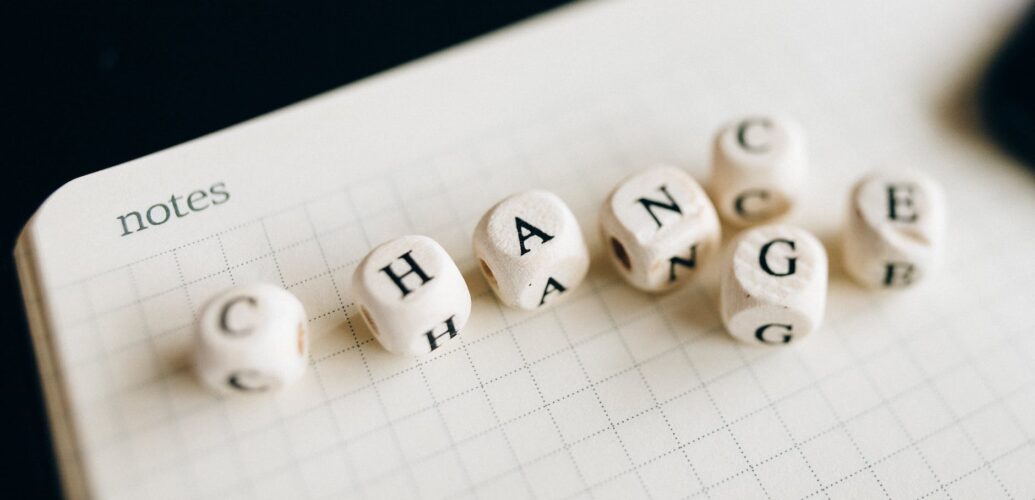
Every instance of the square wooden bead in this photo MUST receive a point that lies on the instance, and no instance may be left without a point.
(251, 339)
(758, 169)
(531, 250)
(659, 227)
(774, 285)
(411, 295)
(895, 229)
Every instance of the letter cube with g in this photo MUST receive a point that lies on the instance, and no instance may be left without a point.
(251, 339)
(411, 295)
(774, 285)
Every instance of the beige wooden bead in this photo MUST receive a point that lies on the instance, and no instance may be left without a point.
(758, 168)
(531, 250)
(251, 339)
(774, 285)
(659, 227)
(895, 228)
(411, 295)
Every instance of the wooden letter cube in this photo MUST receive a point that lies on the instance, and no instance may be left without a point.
(531, 250)
(659, 227)
(412, 295)
(896, 224)
(758, 167)
(251, 339)
(774, 285)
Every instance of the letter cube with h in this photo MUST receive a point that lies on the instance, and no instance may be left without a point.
(411, 295)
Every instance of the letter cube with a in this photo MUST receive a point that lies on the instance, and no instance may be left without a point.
(774, 285)
(531, 250)
(251, 339)
(896, 224)
(412, 295)
(758, 168)
(659, 227)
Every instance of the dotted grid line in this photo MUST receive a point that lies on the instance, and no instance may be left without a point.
(349, 466)
(986, 465)
(589, 339)
(971, 359)
(643, 379)
(814, 382)
(527, 368)
(902, 346)
(463, 343)
(421, 362)
(933, 433)
(281, 420)
(163, 386)
(727, 425)
(118, 421)
(467, 391)
(370, 375)
(218, 237)
(769, 400)
(153, 335)
(860, 362)
(750, 414)
(878, 353)
(607, 131)
(945, 404)
(523, 160)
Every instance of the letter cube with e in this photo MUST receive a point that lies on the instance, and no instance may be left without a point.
(659, 227)
(531, 250)
(252, 339)
(896, 224)
(758, 168)
(774, 285)
(412, 295)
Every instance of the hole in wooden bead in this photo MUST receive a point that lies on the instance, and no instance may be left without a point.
(619, 251)
(300, 340)
(369, 320)
(491, 278)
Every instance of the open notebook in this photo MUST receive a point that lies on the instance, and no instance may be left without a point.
(614, 393)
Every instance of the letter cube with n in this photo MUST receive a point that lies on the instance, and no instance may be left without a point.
(412, 295)
(531, 249)
(659, 227)
(896, 223)
(774, 285)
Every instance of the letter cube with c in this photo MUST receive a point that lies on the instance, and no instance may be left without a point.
(659, 227)
(758, 168)
(774, 285)
(251, 339)
(531, 250)
(411, 295)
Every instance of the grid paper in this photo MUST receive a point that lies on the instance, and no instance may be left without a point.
(612, 393)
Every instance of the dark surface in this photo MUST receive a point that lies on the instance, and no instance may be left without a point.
(92, 85)
(1008, 94)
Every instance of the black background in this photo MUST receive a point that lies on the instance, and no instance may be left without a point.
(90, 85)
